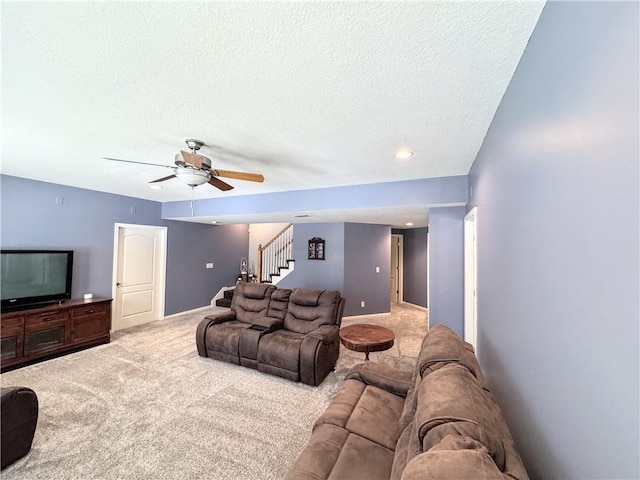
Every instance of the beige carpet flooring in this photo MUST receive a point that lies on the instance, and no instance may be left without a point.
(146, 406)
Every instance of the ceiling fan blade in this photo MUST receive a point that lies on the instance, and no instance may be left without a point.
(191, 158)
(163, 179)
(251, 177)
(216, 182)
(139, 163)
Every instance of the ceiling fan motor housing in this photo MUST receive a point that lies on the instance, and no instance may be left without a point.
(206, 162)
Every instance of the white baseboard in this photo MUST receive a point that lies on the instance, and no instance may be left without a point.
(186, 312)
(417, 307)
(370, 315)
(404, 304)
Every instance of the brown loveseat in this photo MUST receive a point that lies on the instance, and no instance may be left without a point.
(437, 422)
(289, 333)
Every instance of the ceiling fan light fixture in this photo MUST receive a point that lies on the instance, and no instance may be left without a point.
(403, 154)
(192, 177)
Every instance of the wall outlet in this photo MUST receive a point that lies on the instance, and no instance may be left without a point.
(209, 265)
(362, 304)
(377, 269)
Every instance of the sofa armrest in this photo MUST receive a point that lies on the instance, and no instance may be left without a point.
(327, 334)
(386, 377)
(205, 323)
(267, 324)
(19, 417)
(221, 317)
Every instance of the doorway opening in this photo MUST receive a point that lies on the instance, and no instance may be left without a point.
(139, 264)
(396, 294)
(471, 278)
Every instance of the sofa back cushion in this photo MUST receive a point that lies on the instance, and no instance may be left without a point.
(455, 457)
(442, 346)
(451, 402)
(251, 300)
(279, 302)
(309, 309)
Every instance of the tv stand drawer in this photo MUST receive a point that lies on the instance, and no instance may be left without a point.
(11, 324)
(47, 317)
(88, 310)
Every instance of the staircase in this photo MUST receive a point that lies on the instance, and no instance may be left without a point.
(225, 301)
(275, 258)
(282, 272)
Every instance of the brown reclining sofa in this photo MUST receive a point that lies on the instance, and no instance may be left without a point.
(437, 422)
(289, 333)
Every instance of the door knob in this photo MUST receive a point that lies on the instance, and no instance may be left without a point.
(118, 284)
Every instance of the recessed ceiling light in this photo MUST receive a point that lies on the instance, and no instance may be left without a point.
(409, 224)
(214, 221)
(156, 187)
(403, 154)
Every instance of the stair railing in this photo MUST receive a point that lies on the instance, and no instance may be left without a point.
(275, 253)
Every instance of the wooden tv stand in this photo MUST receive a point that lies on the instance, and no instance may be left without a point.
(28, 335)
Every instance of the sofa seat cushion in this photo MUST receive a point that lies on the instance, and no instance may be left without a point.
(281, 349)
(366, 411)
(224, 337)
(335, 453)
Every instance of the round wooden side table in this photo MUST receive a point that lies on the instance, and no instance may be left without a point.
(363, 337)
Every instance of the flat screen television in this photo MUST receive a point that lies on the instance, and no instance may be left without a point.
(31, 278)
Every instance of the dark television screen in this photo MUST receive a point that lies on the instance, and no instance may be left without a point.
(32, 277)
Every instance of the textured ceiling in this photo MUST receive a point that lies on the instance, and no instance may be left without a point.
(310, 94)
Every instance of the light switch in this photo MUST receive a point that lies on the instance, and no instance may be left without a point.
(377, 269)
(209, 265)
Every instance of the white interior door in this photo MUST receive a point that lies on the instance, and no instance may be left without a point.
(139, 275)
(470, 279)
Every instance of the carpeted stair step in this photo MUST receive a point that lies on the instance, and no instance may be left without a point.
(226, 300)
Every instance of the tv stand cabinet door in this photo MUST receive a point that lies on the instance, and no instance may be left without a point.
(46, 332)
(90, 322)
(12, 333)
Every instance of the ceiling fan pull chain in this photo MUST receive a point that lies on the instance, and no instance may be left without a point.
(192, 197)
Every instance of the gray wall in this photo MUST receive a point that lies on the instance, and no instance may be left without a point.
(556, 186)
(190, 247)
(84, 222)
(353, 251)
(367, 247)
(414, 278)
(446, 281)
(324, 274)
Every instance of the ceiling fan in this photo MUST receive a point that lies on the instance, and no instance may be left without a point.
(194, 169)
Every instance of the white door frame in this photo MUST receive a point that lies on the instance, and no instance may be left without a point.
(400, 266)
(471, 278)
(160, 285)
